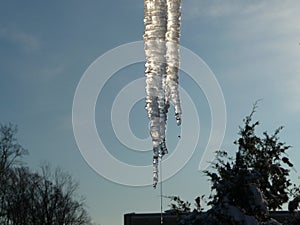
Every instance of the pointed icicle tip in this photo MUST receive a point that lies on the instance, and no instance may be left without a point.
(178, 119)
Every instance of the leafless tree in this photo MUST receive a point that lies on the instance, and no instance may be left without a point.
(10, 150)
(47, 197)
(10, 154)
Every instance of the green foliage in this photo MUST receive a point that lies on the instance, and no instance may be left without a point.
(245, 187)
(259, 161)
(179, 206)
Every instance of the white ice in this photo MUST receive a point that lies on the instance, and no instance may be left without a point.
(161, 37)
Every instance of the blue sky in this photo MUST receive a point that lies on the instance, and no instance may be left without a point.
(45, 48)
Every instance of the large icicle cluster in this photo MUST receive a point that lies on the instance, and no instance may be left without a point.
(161, 37)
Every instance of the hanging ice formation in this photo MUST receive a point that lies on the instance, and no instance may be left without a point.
(161, 37)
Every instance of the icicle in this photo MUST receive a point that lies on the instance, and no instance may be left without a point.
(155, 50)
(172, 55)
(161, 37)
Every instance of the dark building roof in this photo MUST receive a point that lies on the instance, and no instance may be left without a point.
(170, 219)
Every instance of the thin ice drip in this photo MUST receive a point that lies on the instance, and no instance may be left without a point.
(161, 37)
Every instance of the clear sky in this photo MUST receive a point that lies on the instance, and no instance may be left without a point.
(46, 46)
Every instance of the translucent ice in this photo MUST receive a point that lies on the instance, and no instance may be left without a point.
(161, 37)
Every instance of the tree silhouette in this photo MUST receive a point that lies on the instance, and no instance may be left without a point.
(33, 198)
(10, 150)
(247, 186)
